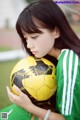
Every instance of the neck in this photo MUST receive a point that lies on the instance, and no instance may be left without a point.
(55, 52)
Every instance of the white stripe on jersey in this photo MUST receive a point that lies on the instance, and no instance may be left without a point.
(64, 84)
(69, 83)
(68, 78)
(74, 80)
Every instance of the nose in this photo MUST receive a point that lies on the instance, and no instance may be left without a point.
(30, 44)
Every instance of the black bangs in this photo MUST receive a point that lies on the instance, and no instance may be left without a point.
(27, 25)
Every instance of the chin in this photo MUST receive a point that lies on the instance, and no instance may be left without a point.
(38, 56)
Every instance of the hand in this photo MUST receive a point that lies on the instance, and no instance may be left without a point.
(21, 100)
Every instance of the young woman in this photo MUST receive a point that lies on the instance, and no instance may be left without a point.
(44, 30)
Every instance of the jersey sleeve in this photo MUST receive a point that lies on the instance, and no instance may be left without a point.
(67, 75)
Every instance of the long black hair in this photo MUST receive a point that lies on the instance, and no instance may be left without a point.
(48, 15)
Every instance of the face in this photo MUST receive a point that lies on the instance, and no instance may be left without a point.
(40, 44)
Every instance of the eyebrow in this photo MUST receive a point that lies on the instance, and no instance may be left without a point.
(32, 33)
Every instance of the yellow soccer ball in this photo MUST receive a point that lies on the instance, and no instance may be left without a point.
(35, 77)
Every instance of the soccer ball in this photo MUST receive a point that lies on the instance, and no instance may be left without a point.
(35, 77)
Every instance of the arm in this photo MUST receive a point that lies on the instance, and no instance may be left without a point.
(23, 101)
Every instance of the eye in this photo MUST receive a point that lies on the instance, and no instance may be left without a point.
(34, 37)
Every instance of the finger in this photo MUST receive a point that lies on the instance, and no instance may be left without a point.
(8, 90)
(11, 96)
(17, 90)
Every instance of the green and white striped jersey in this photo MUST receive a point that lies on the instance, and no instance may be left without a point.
(68, 85)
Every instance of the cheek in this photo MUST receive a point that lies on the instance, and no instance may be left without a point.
(45, 40)
(45, 46)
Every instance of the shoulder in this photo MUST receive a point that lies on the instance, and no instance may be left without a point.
(68, 56)
(68, 61)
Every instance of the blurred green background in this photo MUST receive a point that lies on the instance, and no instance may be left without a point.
(5, 71)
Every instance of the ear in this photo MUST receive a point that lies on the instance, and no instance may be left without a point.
(56, 32)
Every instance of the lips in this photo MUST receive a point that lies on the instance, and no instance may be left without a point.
(34, 52)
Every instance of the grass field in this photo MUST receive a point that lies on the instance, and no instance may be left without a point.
(5, 70)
